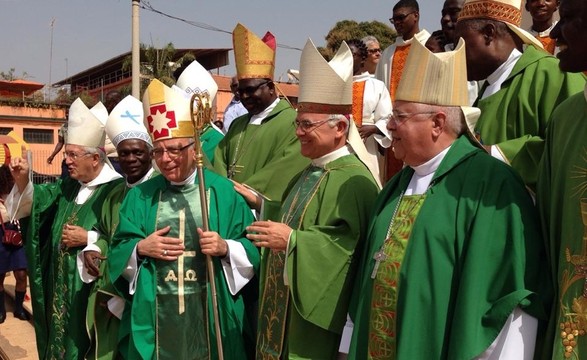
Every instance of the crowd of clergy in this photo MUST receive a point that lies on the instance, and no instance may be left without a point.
(425, 201)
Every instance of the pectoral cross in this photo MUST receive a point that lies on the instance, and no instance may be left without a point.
(378, 257)
(233, 170)
(181, 264)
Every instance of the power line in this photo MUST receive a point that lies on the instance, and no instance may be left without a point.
(145, 4)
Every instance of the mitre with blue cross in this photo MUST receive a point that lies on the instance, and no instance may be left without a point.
(167, 112)
(126, 122)
(83, 127)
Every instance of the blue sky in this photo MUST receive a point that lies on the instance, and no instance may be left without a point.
(88, 32)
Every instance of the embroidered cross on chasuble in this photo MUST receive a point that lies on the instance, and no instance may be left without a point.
(274, 305)
(396, 231)
(181, 289)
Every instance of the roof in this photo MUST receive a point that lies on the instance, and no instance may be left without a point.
(17, 87)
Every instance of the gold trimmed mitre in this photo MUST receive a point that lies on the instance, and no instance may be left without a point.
(167, 112)
(254, 57)
(326, 87)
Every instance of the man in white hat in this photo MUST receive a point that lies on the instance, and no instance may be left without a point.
(260, 149)
(62, 218)
(562, 192)
(133, 145)
(453, 261)
(522, 86)
(308, 256)
(158, 254)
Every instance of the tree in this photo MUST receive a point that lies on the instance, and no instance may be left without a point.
(158, 64)
(350, 29)
(11, 76)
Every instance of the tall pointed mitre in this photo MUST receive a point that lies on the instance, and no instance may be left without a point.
(83, 127)
(507, 11)
(126, 122)
(195, 79)
(167, 112)
(437, 79)
(254, 57)
(326, 87)
(100, 111)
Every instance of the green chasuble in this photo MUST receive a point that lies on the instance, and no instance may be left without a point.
(170, 314)
(517, 124)
(266, 157)
(328, 211)
(562, 199)
(210, 139)
(59, 296)
(474, 254)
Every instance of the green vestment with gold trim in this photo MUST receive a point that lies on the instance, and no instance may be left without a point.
(474, 254)
(328, 210)
(163, 318)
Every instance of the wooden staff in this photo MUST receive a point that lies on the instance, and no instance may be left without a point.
(202, 115)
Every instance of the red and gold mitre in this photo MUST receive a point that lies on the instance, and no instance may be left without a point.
(254, 57)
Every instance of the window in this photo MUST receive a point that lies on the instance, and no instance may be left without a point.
(5, 130)
(38, 136)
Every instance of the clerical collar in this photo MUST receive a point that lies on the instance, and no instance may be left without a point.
(421, 35)
(501, 74)
(141, 180)
(106, 175)
(189, 180)
(362, 77)
(424, 173)
(258, 119)
(544, 33)
(336, 154)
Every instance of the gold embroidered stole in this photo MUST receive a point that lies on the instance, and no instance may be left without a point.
(358, 91)
(274, 305)
(382, 322)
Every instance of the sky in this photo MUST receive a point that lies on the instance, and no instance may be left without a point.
(86, 33)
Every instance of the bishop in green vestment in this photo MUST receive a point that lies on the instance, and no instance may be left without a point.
(308, 259)
(62, 221)
(454, 262)
(521, 89)
(562, 195)
(158, 256)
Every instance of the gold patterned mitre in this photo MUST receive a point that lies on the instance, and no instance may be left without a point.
(435, 78)
(326, 87)
(126, 122)
(507, 11)
(84, 128)
(167, 112)
(254, 57)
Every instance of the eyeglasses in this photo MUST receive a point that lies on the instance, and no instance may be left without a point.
(400, 18)
(308, 126)
(400, 118)
(171, 152)
(250, 90)
(73, 156)
(373, 51)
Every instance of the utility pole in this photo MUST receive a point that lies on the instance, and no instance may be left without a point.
(136, 55)
(50, 59)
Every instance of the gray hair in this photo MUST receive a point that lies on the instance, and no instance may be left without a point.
(455, 119)
(369, 39)
(94, 150)
(334, 119)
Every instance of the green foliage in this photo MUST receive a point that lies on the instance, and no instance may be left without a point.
(350, 29)
(11, 76)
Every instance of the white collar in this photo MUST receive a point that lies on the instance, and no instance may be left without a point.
(257, 119)
(191, 179)
(331, 156)
(362, 77)
(422, 36)
(106, 175)
(504, 70)
(544, 33)
(141, 180)
(430, 166)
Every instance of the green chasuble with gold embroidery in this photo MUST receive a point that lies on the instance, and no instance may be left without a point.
(328, 210)
(562, 199)
(517, 124)
(266, 157)
(59, 296)
(473, 255)
(170, 314)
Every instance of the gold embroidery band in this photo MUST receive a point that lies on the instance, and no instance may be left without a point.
(491, 10)
(324, 108)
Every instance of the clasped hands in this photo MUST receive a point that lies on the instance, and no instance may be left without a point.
(159, 246)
